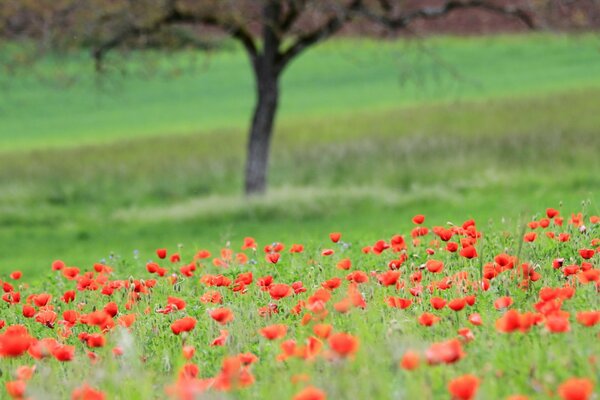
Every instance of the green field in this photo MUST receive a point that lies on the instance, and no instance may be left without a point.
(369, 134)
(109, 169)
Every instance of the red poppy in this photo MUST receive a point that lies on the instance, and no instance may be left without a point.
(437, 303)
(389, 278)
(398, 302)
(161, 253)
(280, 290)
(410, 360)
(335, 237)
(273, 332)
(184, 324)
(322, 330)
(222, 315)
(434, 266)
(273, 258)
(588, 318)
(464, 387)
(468, 252)
(15, 341)
(447, 352)
(16, 275)
(557, 324)
(428, 319)
(475, 319)
(63, 352)
(310, 393)
(86, 392)
(503, 302)
(16, 389)
(221, 339)
(343, 344)
(457, 304)
(576, 389)
(418, 219)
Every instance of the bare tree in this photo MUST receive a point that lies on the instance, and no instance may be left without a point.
(272, 32)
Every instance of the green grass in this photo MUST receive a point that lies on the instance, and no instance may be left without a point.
(364, 155)
(534, 363)
(109, 175)
(190, 93)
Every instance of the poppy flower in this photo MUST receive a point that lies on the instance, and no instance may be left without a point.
(410, 360)
(16, 389)
(221, 339)
(357, 277)
(297, 248)
(557, 324)
(184, 324)
(344, 264)
(161, 253)
(280, 290)
(188, 352)
(177, 302)
(503, 302)
(42, 299)
(447, 352)
(273, 332)
(586, 254)
(343, 344)
(86, 392)
(464, 387)
(15, 342)
(398, 302)
(16, 275)
(28, 311)
(310, 393)
(437, 303)
(57, 265)
(63, 353)
(388, 278)
(457, 304)
(475, 319)
(428, 319)
(468, 252)
(588, 318)
(96, 340)
(335, 237)
(332, 283)
(434, 266)
(466, 334)
(418, 219)
(322, 330)
(221, 315)
(273, 258)
(249, 243)
(576, 389)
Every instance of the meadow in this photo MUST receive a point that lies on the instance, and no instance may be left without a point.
(101, 171)
(356, 149)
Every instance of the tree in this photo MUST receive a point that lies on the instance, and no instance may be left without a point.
(272, 32)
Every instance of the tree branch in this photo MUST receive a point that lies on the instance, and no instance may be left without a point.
(438, 12)
(174, 16)
(329, 28)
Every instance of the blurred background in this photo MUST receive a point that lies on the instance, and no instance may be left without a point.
(124, 125)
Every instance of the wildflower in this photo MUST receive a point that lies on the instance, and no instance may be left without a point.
(464, 387)
(343, 344)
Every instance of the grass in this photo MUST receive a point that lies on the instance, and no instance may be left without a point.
(190, 93)
(501, 149)
(109, 175)
(535, 363)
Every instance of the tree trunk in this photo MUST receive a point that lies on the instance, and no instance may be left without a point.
(267, 83)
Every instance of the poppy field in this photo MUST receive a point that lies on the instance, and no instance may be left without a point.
(443, 310)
